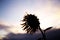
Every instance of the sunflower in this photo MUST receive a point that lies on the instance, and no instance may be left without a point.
(31, 23)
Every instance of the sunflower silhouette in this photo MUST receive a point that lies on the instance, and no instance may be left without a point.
(31, 23)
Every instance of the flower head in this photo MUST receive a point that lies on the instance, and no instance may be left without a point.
(31, 23)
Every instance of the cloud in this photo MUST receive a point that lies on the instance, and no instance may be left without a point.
(53, 34)
(12, 36)
(3, 26)
(4, 30)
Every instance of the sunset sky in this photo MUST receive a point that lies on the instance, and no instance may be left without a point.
(12, 12)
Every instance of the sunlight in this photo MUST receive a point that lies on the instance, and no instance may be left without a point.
(13, 11)
(16, 29)
(47, 16)
(47, 13)
(46, 19)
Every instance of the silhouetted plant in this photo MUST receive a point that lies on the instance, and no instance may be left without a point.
(31, 25)
(47, 29)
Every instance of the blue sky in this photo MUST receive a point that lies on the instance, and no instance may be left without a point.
(12, 11)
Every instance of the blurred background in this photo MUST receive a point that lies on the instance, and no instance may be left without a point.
(13, 11)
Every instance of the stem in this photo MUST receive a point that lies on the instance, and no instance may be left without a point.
(43, 33)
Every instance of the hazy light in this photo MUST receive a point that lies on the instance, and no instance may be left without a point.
(13, 11)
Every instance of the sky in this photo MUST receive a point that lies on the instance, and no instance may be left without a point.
(13, 11)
